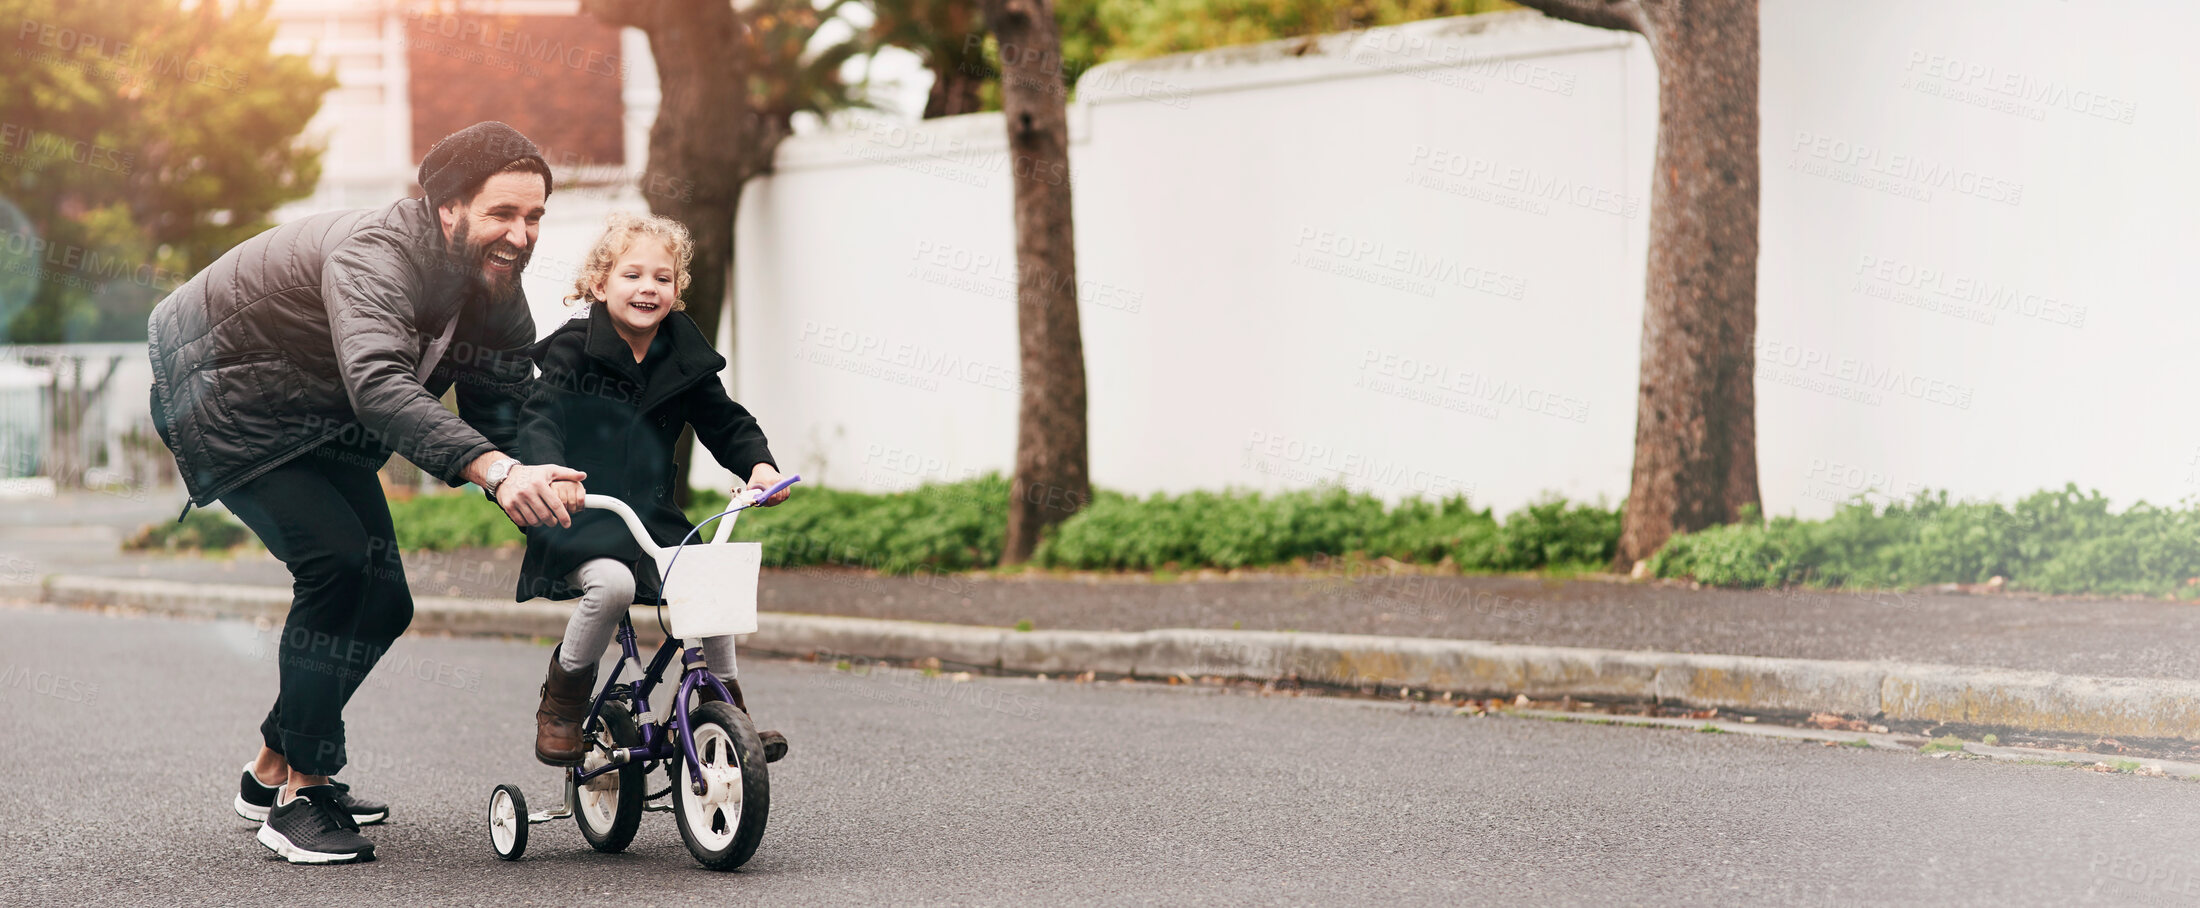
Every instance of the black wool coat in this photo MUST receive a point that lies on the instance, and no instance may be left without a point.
(597, 410)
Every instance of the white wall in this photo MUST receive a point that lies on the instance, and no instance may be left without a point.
(1238, 332)
(1291, 271)
(2059, 277)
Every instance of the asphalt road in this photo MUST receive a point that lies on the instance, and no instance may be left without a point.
(124, 737)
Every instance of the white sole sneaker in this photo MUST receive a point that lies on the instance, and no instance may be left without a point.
(258, 814)
(249, 810)
(275, 842)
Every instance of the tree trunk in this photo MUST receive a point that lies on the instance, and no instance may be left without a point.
(956, 89)
(1696, 410)
(1053, 479)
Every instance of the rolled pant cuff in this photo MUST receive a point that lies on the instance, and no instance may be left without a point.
(314, 755)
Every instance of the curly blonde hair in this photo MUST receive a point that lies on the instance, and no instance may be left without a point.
(619, 233)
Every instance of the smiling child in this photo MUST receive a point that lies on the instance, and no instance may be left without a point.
(619, 381)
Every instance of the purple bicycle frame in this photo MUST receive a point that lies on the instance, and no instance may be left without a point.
(653, 747)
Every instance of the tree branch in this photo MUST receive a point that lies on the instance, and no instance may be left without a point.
(1621, 15)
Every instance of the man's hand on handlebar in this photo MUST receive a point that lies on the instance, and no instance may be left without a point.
(531, 497)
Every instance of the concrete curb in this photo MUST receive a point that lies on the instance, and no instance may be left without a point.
(2028, 701)
(2175, 769)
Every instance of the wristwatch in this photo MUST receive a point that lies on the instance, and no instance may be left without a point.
(496, 474)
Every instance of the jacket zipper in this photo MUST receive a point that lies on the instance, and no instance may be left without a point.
(238, 359)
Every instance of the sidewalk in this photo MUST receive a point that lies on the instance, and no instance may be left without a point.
(2072, 665)
(2099, 637)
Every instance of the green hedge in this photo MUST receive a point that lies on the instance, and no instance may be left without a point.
(963, 526)
(200, 529)
(2051, 541)
(1246, 529)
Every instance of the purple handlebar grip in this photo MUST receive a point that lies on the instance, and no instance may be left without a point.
(781, 487)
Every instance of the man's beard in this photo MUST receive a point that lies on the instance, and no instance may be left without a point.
(472, 259)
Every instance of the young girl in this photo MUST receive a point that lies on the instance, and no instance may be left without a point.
(619, 380)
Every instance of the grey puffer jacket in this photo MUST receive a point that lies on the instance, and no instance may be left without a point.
(315, 330)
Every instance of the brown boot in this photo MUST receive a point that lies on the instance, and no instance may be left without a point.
(565, 697)
(775, 744)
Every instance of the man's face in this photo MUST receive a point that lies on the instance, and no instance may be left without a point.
(493, 235)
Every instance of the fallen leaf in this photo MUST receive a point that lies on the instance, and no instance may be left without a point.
(1831, 722)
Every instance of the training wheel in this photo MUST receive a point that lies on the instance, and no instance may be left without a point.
(508, 822)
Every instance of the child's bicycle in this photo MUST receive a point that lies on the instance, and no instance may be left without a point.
(718, 789)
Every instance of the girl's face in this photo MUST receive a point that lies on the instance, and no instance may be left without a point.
(639, 290)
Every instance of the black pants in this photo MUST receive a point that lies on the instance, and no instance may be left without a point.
(324, 515)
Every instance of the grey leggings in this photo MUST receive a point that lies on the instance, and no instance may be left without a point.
(607, 588)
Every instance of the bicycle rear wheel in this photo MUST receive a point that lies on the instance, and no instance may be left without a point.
(608, 807)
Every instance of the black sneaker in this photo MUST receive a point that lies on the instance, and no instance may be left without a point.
(313, 828)
(363, 811)
(254, 800)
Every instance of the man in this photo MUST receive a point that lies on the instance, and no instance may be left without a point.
(285, 374)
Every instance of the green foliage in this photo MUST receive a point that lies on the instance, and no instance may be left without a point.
(962, 526)
(1548, 533)
(935, 527)
(140, 140)
(2063, 541)
(200, 530)
(1942, 744)
(1101, 30)
(1093, 32)
(452, 521)
(1244, 529)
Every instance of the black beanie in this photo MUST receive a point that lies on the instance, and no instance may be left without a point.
(462, 160)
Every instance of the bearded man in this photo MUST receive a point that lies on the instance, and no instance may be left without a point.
(284, 376)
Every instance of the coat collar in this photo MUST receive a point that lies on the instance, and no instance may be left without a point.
(691, 359)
